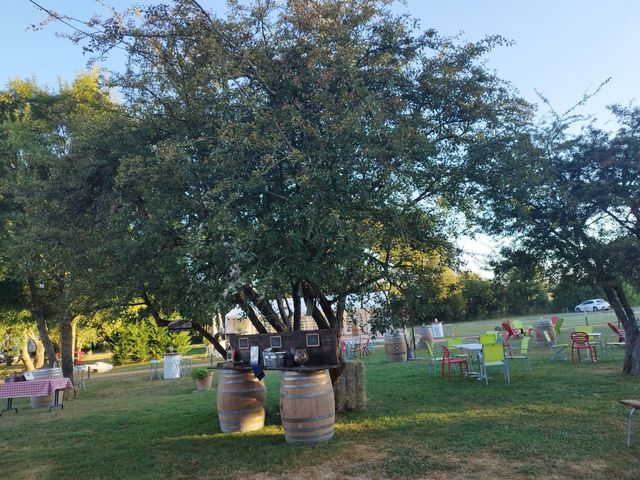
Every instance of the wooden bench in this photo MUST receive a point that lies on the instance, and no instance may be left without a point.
(634, 405)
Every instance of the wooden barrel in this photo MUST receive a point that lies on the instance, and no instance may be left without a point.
(395, 347)
(240, 401)
(307, 407)
(539, 328)
(47, 400)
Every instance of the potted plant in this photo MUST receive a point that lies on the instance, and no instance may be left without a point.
(203, 377)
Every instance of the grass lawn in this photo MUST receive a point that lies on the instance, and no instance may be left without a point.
(558, 421)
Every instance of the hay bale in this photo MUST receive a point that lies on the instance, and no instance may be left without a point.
(350, 390)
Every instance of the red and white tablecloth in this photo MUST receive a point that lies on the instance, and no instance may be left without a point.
(34, 388)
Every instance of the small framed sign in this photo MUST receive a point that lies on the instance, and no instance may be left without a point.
(243, 343)
(313, 339)
(276, 341)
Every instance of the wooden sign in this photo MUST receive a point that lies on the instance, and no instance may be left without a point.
(319, 344)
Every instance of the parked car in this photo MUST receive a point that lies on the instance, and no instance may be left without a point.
(593, 305)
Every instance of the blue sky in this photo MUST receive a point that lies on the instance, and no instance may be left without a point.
(563, 48)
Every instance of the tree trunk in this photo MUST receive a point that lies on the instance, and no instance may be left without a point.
(24, 353)
(39, 361)
(214, 341)
(265, 309)
(66, 346)
(297, 306)
(624, 312)
(36, 308)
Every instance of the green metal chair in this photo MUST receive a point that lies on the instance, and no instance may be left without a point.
(493, 356)
(433, 360)
(524, 352)
(488, 338)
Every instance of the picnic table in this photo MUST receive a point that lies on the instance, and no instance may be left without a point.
(33, 388)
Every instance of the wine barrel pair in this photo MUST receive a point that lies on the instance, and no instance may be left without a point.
(307, 406)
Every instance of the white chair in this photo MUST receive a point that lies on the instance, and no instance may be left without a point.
(78, 376)
(186, 364)
(154, 370)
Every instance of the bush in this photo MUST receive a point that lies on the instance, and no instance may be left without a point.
(199, 373)
(138, 342)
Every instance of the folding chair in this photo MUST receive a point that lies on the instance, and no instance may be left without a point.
(557, 348)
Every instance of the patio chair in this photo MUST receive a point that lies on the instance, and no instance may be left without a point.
(433, 360)
(517, 324)
(524, 352)
(447, 360)
(558, 325)
(363, 349)
(510, 330)
(614, 341)
(493, 356)
(633, 406)
(579, 342)
(556, 348)
(504, 339)
(617, 331)
(488, 338)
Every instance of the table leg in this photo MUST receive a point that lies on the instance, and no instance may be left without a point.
(9, 407)
(56, 403)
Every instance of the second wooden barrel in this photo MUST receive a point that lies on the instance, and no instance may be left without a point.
(240, 401)
(395, 348)
(307, 407)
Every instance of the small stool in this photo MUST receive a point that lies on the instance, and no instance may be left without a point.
(634, 404)
(78, 376)
(186, 363)
(154, 370)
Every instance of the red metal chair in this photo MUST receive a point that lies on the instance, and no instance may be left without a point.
(446, 359)
(580, 341)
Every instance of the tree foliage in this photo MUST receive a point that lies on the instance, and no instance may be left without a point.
(576, 209)
(295, 149)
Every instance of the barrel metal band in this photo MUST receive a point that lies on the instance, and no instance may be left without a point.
(307, 420)
(240, 410)
(244, 390)
(305, 385)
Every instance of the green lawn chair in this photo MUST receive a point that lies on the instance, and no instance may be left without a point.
(517, 324)
(557, 348)
(493, 356)
(524, 352)
(558, 326)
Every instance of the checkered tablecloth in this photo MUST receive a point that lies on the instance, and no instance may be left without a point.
(33, 388)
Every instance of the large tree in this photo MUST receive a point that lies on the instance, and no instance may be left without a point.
(298, 145)
(570, 200)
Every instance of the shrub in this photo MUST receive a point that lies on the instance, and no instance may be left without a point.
(199, 373)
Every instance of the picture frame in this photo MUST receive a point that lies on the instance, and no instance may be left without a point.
(275, 341)
(243, 343)
(313, 340)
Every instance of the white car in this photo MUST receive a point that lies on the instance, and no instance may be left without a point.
(593, 305)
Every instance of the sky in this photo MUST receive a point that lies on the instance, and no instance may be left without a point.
(562, 49)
